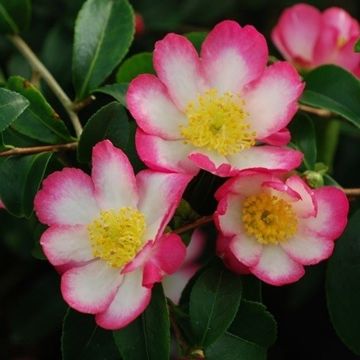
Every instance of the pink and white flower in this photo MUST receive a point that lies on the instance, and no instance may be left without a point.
(224, 111)
(309, 38)
(174, 284)
(272, 227)
(106, 236)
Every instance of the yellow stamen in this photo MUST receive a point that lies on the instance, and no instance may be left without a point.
(341, 41)
(218, 122)
(116, 236)
(268, 218)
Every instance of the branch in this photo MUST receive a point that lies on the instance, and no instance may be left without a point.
(197, 223)
(79, 105)
(38, 149)
(351, 193)
(39, 67)
(319, 112)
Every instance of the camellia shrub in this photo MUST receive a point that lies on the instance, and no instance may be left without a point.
(179, 181)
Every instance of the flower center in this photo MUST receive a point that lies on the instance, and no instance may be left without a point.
(218, 122)
(269, 219)
(116, 236)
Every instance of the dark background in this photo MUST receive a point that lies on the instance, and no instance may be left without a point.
(31, 309)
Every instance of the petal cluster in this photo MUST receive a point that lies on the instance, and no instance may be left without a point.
(111, 205)
(309, 38)
(271, 227)
(223, 111)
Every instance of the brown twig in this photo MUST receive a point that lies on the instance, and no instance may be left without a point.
(351, 193)
(316, 111)
(77, 106)
(39, 149)
(197, 223)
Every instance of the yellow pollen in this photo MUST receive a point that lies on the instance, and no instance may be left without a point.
(341, 41)
(116, 236)
(268, 218)
(218, 122)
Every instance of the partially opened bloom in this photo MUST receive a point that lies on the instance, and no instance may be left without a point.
(223, 112)
(271, 227)
(106, 236)
(174, 284)
(309, 38)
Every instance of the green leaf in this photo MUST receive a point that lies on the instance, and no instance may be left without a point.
(197, 38)
(231, 347)
(357, 46)
(135, 65)
(39, 121)
(303, 138)
(342, 286)
(252, 288)
(14, 15)
(20, 180)
(117, 91)
(335, 89)
(148, 337)
(255, 324)
(12, 105)
(110, 122)
(104, 30)
(214, 301)
(82, 339)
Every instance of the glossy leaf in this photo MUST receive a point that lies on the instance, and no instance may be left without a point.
(357, 46)
(14, 15)
(231, 347)
(117, 91)
(342, 286)
(214, 301)
(135, 65)
(335, 89)
(110, 122)
(39, 121)
(148, 337)
(12, 105)
(82, 339)
(255, 324)
(104, 30)
(303, 138)
(20, 180)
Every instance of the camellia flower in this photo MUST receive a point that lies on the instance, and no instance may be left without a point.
(309, 38)
(175, 284)
(223, 112)
(271, 228)
(106, 234)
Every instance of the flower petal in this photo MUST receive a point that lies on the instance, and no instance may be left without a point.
(332, 211)
(66, 244)
(275, 267)
(175, 284)
(164, 155)
(212, 162)
(66, 198)
(233, 56)
(306, 206)
(195, 247)
(178, 66)
(129, 302)
(266, 157)
(160, 194)
(228, 215)
(298, 28)
(149, 103)
(307, 249)
(90, 288)
(282, 137)
(113, 177)
(271, 101)
(246, 183)
(246, 249)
